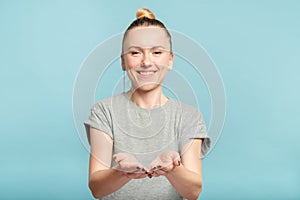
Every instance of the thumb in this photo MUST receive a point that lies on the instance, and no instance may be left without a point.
(176, 158)
(176, 162)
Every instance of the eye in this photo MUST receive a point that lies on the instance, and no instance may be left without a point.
(157, 53)
(135, 53)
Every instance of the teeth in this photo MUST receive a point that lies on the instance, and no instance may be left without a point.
(146, 73)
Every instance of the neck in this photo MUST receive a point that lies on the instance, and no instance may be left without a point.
(148, 99)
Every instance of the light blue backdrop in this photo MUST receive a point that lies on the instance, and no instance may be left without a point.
(255, 44)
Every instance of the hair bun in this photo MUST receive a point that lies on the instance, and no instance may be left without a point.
(144, 12)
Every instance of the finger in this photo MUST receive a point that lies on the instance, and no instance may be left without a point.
(129, 164)
(159, 172)
(176, 162)
(176, 158)
(118, 158)
(124, 156)
(136, 168)
(166, 159)
(141, 170)
(135, 175)
(168, 168)
(140, 176)
(154, 168)
(154, 163)
(126, 168)
(132, 169)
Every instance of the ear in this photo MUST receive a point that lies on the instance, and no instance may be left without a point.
(171, 60)
(123, 63)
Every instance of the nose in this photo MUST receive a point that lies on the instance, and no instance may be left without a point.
(146, 60)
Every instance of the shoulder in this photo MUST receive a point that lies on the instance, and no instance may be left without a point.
(183, 108)
(110, 102)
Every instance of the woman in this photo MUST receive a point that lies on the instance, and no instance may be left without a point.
(145, 145)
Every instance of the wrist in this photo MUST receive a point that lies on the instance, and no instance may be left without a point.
(175, 170)
(122, 175)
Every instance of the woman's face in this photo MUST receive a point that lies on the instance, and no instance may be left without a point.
(146, 57)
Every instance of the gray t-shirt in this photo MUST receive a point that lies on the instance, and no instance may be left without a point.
(146, 133)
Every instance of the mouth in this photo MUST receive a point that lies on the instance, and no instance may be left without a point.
(146, 73)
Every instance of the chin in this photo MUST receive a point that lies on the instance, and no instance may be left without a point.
(148, 87)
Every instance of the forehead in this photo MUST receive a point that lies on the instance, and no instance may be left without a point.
(147, 37)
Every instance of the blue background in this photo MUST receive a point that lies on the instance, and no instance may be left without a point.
(255, 44)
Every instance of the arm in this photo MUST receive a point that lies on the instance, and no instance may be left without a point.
(102, 179)
(187, 178)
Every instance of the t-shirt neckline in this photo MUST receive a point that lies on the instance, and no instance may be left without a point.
(132, 104)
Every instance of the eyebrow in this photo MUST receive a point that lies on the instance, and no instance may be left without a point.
(138, 47)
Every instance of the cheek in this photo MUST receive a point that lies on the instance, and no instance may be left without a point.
(163, 62)
(132, 63)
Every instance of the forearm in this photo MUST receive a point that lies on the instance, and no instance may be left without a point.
(187, 183)
(104, 182)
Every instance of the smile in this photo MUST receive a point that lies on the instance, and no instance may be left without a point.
(146, 74)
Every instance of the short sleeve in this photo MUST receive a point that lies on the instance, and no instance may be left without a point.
(193, 127)
(99, 119)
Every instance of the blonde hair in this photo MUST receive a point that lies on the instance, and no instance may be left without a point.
(144, 17)
(144, 12)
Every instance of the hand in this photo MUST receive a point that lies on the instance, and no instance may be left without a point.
(129, 165)
(164, 163)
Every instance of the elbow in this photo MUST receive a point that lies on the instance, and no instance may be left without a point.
(194, 195)
(197, 193)
(96, 195)
(96, 192)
